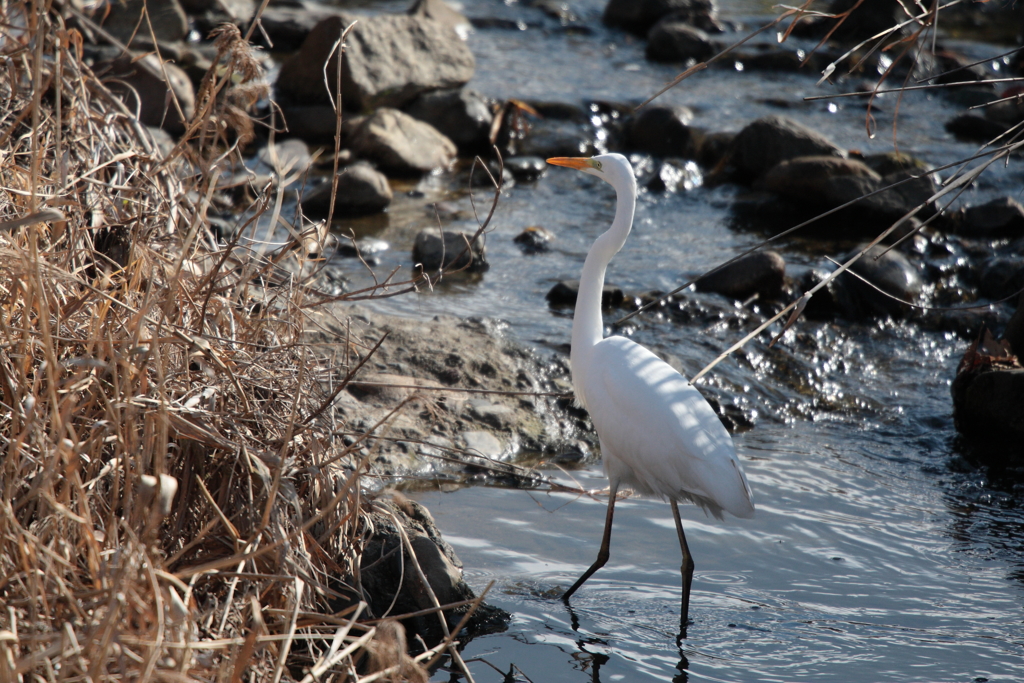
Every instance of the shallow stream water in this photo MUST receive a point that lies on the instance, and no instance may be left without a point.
(881, 550)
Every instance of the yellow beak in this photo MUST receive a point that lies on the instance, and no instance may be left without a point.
(579, 163)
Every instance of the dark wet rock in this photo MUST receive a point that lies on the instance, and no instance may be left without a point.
(674, 40)
(564, 293)
(389, 60)
(1014, 332)
(868, 19)
(822, 306)
(778, 58)
(206, 15)
(812, 178)
(975, 128)
(235, 10)
(1001, 277)
(1001, 217)
(988, 392)
(894, 162)
(461, 114)
(142, 86)
(964, 323)
(389, 583)
(312, 123)
(714, 148)
(400, 144)
(892, 273)
(432, 253)
(638, 16)
(439, 11)
(815, 184)
(563, 111)
(556, 138)
(953, 67)
(970, 96)
(773, 139)
(526, 169)
(361, 190)
(917, 184)
(287, 156)
(288, 25)
(761, 273)
(663, 131)
(990, 404)
(1009, 112)
(534, 239)
(167, 17)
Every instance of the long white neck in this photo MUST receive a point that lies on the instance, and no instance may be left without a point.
(587, 323)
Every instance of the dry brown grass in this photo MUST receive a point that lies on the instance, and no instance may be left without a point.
(174, 502)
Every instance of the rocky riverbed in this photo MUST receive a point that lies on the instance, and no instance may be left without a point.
(426, 87)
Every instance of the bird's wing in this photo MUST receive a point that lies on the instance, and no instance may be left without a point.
(661, 433)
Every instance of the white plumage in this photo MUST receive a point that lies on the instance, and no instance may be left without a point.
(658, 435)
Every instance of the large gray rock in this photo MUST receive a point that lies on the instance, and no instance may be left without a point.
(462, 115)
(820, 183)
(389, 60)
(761, 273)
(1001, 217)
(663, 131)
(142, 86)
(389, 581)
(402, 145)
(167, 17)
(638, 16)
(809, 178)
(361, 190)
(773, 139)
(432, 252)
(674, 40)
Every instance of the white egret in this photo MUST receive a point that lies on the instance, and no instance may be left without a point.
(658, 435)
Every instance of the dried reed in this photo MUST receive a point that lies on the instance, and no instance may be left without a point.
(173, 497)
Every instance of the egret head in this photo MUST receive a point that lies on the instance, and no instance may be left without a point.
(612, 168)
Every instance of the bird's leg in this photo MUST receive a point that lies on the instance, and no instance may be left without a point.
(686, 569)
(602, 555)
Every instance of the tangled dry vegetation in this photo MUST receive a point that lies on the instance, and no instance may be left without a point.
(174, 501)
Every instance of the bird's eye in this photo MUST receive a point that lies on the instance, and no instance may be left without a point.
(596, 164)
